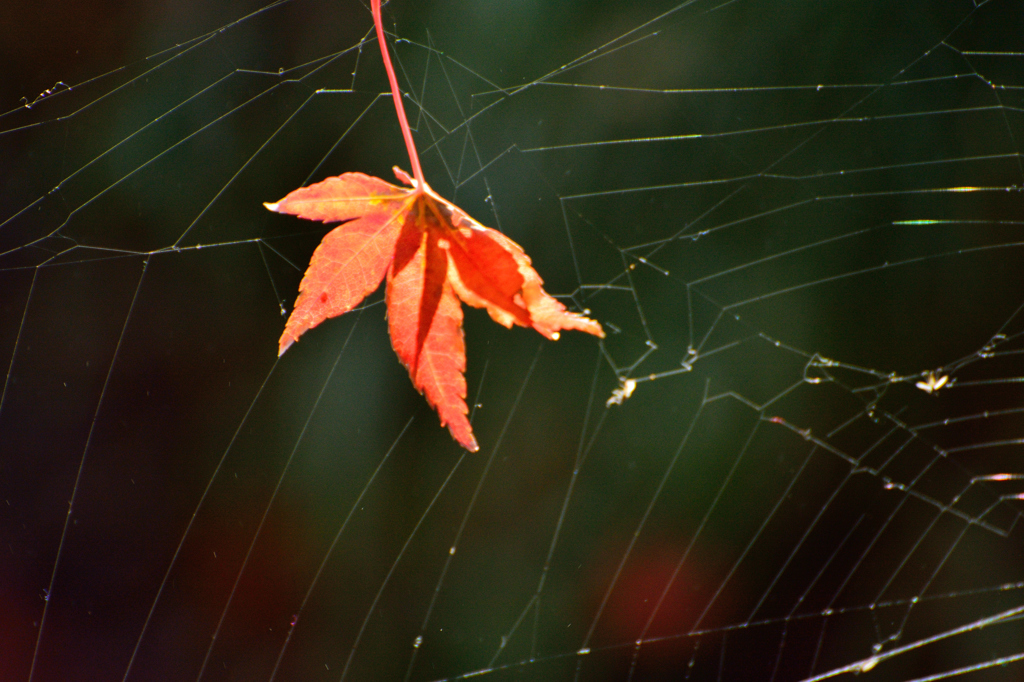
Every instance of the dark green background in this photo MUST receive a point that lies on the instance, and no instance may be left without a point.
(135, 360)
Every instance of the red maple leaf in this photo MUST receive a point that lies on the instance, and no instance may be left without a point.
(434, 256)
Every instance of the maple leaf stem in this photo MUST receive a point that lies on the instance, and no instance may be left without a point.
(396, 95)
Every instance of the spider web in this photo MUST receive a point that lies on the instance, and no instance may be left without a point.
(796, 456)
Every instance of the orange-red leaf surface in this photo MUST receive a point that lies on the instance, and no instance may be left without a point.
(434, 255)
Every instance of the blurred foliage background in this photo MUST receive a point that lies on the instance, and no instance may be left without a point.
(175, 495)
